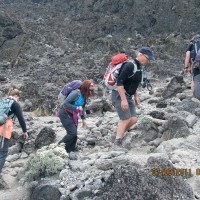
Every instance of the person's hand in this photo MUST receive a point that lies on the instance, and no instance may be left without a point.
(137, 101)
(83, 123)
(124, 104)
(80, 108)
(187, 70)
(25, 135)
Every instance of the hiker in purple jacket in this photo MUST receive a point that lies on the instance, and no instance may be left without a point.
(73, 106)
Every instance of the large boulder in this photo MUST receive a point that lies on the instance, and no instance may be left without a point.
(175, 86)
(128, 182)
(45, 137)
(47, 190)
(175, 127)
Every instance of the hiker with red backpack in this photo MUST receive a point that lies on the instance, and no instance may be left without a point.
(9, 109)
(72, 107)
(192, 64)
(123, 79)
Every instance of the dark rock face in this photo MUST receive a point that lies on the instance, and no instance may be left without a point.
(45, 137)
(66, 40)
(128, 182)
(47, 191)
(144, 17)
(9, 29)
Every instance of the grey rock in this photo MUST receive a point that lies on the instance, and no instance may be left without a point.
(157, 114)
(175, 127)
(174, 87)
(81, 194)
(153, 100)
(188, 105)
(191, 120)
(104, 164)
(73, 156)
(27, 105)
(197, 112)
(64, 197)
(161, 104)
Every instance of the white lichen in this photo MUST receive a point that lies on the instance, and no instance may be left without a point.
(47, 161)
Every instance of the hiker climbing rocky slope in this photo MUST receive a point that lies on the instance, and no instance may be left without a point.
(166, 137)
(45, 43)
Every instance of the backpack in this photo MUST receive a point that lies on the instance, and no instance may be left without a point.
(69, 87)
(113, 69)
(66, 90)
(195, 53)
(5, 104)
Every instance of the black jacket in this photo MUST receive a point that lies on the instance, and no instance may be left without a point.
(17, 111)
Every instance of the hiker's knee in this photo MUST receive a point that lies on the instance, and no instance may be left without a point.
(133, 120)
(130, 121)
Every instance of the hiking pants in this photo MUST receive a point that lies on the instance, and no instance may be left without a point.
(70, 139)
(3, 151)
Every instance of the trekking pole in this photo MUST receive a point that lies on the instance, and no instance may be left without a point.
(145, 80)
(2, 142)
(149, 86)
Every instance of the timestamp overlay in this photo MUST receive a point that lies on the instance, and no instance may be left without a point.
(156, 171)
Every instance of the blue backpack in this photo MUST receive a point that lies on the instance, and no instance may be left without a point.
(5, 104)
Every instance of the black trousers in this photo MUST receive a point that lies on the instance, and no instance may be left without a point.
(70, 139)
(3, 152)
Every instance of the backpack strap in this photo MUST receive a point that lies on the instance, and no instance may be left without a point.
(144, 74)
(135, 69)
(195, 47)
(11, 101)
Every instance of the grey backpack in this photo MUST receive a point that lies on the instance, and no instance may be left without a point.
(195, 53)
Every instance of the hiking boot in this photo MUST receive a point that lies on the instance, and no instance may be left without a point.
(3, 184)
(73, 156)
(118, 142)
(125, 136)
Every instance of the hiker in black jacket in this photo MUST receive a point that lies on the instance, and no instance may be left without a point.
(6, 129)
(127, 85)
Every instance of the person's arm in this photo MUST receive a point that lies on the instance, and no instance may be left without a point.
(137, 99)
(187, 59)
(70, 99)
(16, 109)
(124, 102)
(187, 62)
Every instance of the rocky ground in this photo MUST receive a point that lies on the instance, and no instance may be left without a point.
(165, 137)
